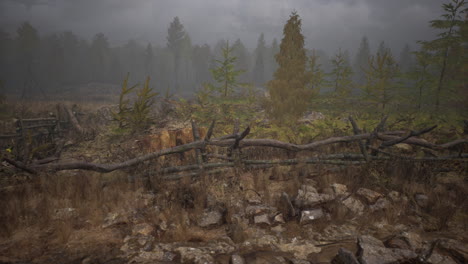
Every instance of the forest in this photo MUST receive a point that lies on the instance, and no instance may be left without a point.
(284, 152)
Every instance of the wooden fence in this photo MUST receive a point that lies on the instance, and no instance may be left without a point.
(373, 146)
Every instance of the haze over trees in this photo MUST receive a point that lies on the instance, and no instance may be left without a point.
(421, 76)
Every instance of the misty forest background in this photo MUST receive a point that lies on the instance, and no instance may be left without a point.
(427, 76)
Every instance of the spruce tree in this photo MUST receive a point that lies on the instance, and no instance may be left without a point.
(341, 75)
(259, 67)
(175, 38)
(316, 74)
(448, 41)
(361, 61)
(289, 96)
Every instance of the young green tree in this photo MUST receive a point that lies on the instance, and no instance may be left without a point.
(341, 75)
(447, 40)
(225, 74)
(422, 76)
(317, 75)
(381, 76)
(259, 67)
(289, 96)
(361, 61)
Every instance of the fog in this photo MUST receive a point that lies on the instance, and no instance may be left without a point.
(327, 24)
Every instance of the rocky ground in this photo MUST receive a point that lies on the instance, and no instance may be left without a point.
(387, 212)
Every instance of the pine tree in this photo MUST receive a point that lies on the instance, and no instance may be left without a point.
(341, 75)
(317, 75)
(289, 96)
(380, 77)
(175, 38)
(259, 68)
(242, 62)
(361, 61)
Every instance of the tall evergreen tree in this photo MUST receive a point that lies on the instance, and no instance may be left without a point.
(289, 96)
(316, 73)
(270, 61)
(242, 62)
(341, 75)
(380, 78)
(175, 38)
(361, 61)
(259, 67)
(448, 40)
(100, 57)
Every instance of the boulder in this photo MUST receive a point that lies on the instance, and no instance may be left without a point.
(237, 259)
(373, 251)
(194, 255)
(210, 219)
(308, 216)
(143, 229)
(381, 204)
(421, 200)
(354, 205)
(307, 196)
(339, 189)
(345, 257)
(262, 220)
(369, 195)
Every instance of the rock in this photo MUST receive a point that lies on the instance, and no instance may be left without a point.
(278, 229)
(237, 259)
(404, 147)
(373, 251)
(286, 206)
(194, 255)
(456, 249)
(143, 229)
(297, 261)
(369, 195)
(354, 205)
(394, 196)
(300, 249)
(253, 198)
(398, 242)
(421, 200)
(308, 216)
(381, 204)
(279, 219)
(253, 210)
(436, 258)
(344, 257)
(114, 219)
(307, 196)
(210, 219)
(65, 214)
(262, 220)
(339, 189)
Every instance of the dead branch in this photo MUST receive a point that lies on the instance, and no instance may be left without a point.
(410, 134)
(357, 131)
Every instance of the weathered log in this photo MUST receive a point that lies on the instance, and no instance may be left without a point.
(407, 136)
(74, 122)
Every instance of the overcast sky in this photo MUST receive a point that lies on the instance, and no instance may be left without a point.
(326, 24)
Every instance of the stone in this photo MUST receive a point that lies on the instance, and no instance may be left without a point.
(194, 255)
(253, 210)
(307, 196)
(278, 229)
(65, 214)
(398, 242)
(308, 216)
(253, 198)
(394, 196)
(286, 206)
(456, 249)
(300, 249)
(373, 251)
(279, 219)
(143, 229)
(237, 259)
(262, 220)
(210, 219)
(339, 189)
(381, 204)
(404, 147)
(421, 200)
(354, 205)
(345, 256)
(114, 219)
(436, 258)
(369, 195)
